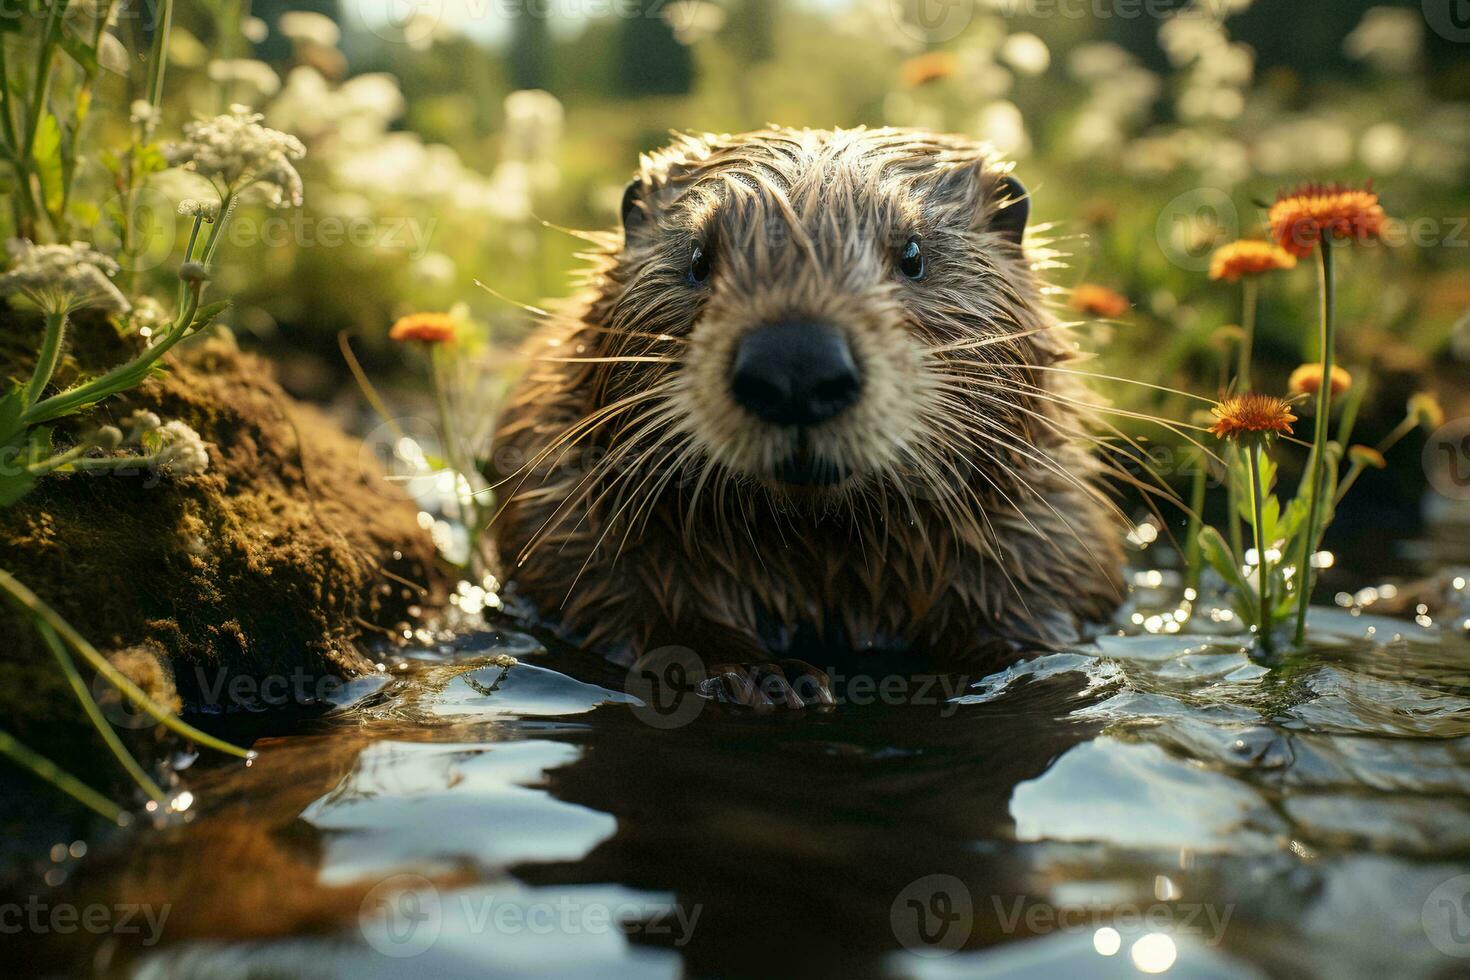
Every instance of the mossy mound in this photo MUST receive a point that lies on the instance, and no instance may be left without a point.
(246, 586)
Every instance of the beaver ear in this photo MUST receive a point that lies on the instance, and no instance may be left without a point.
(634, 210)
(1012, 208)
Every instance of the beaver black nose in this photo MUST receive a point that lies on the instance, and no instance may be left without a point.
(795, 373)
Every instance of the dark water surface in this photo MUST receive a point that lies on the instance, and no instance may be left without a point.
(1150, 803)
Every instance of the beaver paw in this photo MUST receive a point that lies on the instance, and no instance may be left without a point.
(789, 684)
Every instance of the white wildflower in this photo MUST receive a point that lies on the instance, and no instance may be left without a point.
(1388, 38)
(143, 111)
(255, 77)
(533, 124)
(304, 26)
(62, 278)
(180, 450)
(107, 437)
(139, 423)
(193, 208)
(254, 29)
(237, 152)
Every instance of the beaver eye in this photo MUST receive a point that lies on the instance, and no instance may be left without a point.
(911, 258)
(698, 264)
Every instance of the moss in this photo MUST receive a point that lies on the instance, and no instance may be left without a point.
(272, 564)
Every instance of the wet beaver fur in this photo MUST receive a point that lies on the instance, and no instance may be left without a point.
(812, 398)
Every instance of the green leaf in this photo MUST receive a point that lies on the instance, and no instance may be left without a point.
(1215, 551)
(80, 51)
(14, 484)
(47, 154)
(11, 407)
(205, 314)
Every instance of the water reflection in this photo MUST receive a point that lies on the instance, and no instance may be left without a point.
(1156, 803)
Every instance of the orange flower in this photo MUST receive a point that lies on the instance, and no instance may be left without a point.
(1301, 217)
(431, 328)
(1098, 300)
(1248, 258)
(1307, 380)
(1252, 416)
(925, 68)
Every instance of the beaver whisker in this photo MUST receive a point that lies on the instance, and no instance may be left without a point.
(984, 342)
(583, 425)
(617, 359)
(1045, 459)
(1159, 488)
(588, 482)
(1092, 407)
(569, 501)
(1066, 521)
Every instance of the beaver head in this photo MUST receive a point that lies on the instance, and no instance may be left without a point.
(831, 309)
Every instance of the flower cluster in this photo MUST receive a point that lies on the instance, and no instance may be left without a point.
(61, 279)
(237, 152)
(1248, 258)
(179, 451)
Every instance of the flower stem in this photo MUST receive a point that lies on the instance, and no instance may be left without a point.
(158, 61)
(1249, 290)
(1196, 520)
(61, 779)
(1262, 564)
(99, 721)
(1317, 462)
(47, 359)
(32, 605)
(45, 58)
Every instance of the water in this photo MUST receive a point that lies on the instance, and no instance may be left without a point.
(1156, 803)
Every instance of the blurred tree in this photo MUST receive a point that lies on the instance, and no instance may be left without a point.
(750, 29)
(276, 48)
(529, 57)
(650, 61)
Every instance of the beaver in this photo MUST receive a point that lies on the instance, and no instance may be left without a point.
(811, 397)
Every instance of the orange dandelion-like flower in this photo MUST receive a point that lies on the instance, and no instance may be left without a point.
(431, 328)
(1251, 416)
(1307, 380)
(1300, 218)
(925, 68)
(1248, 258)
(1098, 300)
